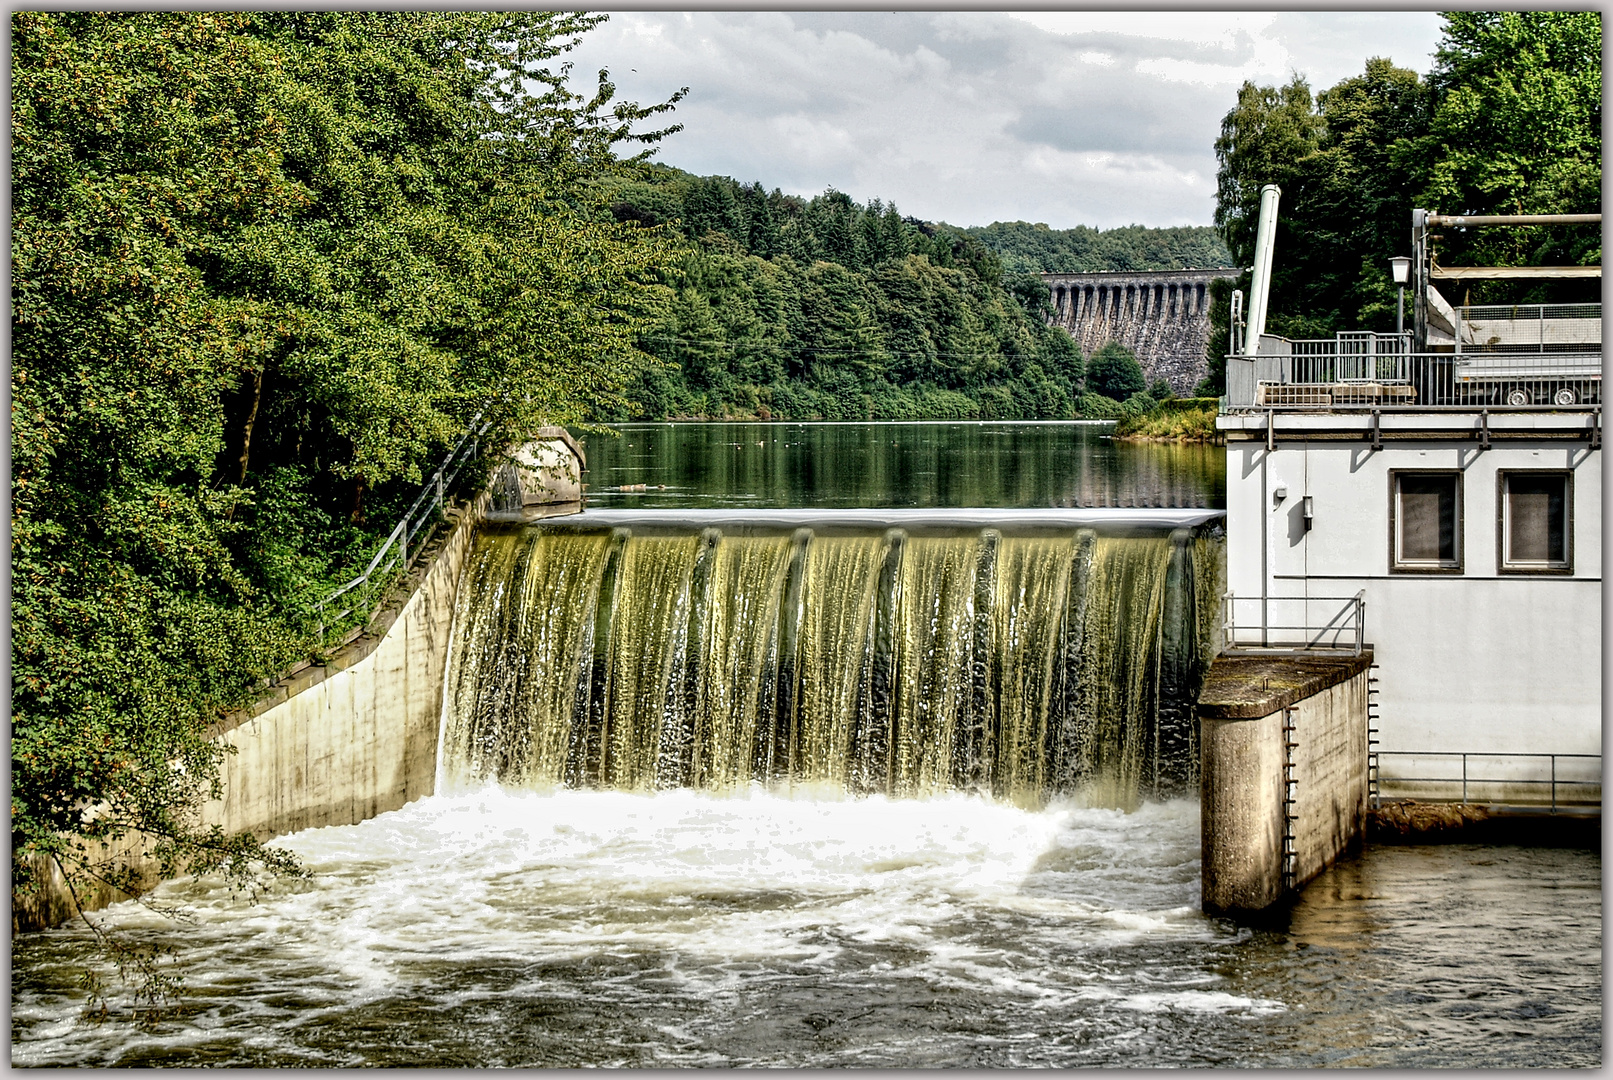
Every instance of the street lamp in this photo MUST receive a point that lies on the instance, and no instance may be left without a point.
(1400, 266)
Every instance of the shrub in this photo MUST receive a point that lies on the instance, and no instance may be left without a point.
(1138, 405)
(1098, 407)
(1114, 372)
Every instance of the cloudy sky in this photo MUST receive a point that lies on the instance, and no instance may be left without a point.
(1068, 118)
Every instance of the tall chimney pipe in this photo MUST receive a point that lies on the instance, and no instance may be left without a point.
(1260, 287)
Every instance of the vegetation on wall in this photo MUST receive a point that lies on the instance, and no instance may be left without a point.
(1508, 122)
(265, 266)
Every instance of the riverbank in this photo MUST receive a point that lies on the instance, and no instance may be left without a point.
(1176, 420)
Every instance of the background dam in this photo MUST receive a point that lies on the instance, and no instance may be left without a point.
(1023, 662)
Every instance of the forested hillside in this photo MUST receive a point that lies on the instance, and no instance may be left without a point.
(789, 308)
(1038, 249)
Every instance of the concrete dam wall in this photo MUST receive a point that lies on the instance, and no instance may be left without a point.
(1163, 316)
(340, 742)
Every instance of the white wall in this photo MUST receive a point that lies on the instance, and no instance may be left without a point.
(1477, 661)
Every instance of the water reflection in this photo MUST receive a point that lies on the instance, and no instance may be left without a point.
(1455, 955)
(897, 465)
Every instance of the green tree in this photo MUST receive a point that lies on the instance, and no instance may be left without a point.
(1516, 128)
(265, 266)
(907, 320)
(1113, 371)
(1037, 249)
(1508, 122)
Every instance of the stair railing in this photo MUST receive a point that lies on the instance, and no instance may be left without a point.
(394, 553)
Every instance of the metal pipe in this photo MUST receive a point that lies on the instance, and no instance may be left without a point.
(1260, 284)
(1461, 221)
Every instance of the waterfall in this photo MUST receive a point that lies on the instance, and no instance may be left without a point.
(893, 663)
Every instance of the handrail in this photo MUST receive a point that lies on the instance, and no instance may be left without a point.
(1331, 375)
(1307, 635)
(434, 489)
(1465, 779)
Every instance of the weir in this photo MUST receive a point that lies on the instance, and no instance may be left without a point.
(898, 653)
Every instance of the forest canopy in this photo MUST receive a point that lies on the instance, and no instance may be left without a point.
(824, 308)
(1024, 247)
(265, 268)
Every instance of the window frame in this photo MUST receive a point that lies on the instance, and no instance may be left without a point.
(1502, 566)
(1459, 565)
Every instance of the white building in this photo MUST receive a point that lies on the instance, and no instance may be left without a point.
(1436, 496)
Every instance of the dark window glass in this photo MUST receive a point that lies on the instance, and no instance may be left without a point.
(1427, 519)
(1537, 519)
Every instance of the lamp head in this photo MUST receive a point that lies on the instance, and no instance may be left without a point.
(1400, 266)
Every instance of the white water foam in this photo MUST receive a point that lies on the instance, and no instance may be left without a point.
(702, 895)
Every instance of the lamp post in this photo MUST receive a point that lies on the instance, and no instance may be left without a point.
(1400, 266)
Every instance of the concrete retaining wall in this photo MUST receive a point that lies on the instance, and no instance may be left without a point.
(544, 472)
(327, 745)
(338, 744)
(1244, 754)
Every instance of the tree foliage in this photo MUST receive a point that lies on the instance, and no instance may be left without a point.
(797, 308)
(1517, 129)
(265, 266)
(1113, 371)
(1508, 122)
(1036, 248)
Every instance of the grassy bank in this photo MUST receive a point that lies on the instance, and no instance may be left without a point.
(1177, 420)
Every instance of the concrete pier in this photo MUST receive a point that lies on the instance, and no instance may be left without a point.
(1283, 768)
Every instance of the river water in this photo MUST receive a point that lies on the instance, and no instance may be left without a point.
(800, 925)
(605, 928)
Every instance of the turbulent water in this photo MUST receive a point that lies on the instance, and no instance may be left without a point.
(679, 928)
(892, 664)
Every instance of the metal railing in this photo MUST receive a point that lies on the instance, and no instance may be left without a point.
(1377, 371)
(1295, 622)
(393, 555)
(1462, 775)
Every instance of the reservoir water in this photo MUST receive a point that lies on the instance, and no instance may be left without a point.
(818, 794)
(1051, 464)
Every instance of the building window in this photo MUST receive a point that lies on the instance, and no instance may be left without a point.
(1535, 523)
(1425, 523)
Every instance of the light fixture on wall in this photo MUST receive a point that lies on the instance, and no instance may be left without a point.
(1400, 266)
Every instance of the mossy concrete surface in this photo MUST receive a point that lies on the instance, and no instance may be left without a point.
(1248, 685)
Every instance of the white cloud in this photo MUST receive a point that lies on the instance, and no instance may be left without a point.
(1097, 118)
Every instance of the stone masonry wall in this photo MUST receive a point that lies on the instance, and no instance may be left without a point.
(1162, 316)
